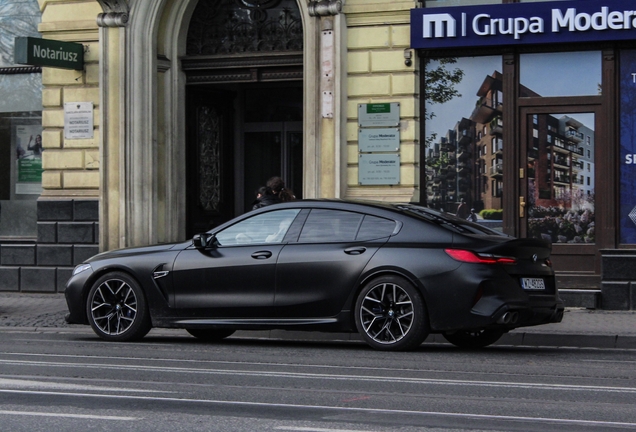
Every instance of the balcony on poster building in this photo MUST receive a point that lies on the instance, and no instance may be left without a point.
(496, 170)
(574, 135)
(496, 126)
(490, 100)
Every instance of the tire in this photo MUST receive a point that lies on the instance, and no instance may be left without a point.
(390, 314)
(474, 339)
(116, 308)
(210, 335)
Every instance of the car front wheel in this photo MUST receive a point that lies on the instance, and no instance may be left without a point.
(116, 308)
(390, 314)
(474, 338)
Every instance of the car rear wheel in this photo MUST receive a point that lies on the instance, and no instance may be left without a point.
(390, 314)
(210, 335)
(116, 308)
(474, 338)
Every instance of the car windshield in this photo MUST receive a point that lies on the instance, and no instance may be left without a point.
(448, 221)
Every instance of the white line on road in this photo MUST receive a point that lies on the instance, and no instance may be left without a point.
(77, 416)
(334, 377)
(333, 408)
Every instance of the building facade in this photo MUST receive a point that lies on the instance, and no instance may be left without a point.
(195, 103)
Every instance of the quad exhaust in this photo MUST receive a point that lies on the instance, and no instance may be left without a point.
(510, 317)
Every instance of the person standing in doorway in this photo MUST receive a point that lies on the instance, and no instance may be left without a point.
(277, 186)
(462, 210)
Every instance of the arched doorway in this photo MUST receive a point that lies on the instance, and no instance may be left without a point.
(244, 105)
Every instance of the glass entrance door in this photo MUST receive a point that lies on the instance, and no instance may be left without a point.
(557, 183)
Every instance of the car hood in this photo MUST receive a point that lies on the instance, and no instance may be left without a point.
(139, 250)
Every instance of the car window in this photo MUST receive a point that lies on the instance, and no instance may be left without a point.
(324, 225)
(269, 227)
(374, 227)
(447, 221)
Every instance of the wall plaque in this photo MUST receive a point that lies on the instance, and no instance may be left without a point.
(78, 120)
(379, 114)
(378, 140)
(379, 169)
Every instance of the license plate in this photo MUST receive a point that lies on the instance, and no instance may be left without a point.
(535, 284)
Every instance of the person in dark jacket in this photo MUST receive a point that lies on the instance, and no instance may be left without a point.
(264, 197)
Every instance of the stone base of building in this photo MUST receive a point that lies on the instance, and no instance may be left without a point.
(68, 234)
(618, 279)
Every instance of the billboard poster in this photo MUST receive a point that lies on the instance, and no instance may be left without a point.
(28, 159)
(628, 146)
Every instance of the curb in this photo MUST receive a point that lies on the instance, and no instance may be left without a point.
(517, 339)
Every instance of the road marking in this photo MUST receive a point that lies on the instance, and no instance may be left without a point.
(311, 429)
(331, 408)
(77, 416)
(302, 375)
(52, 385)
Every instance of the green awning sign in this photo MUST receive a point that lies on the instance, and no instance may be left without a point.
(50, 53)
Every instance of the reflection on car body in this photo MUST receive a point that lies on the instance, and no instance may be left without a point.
(392, 272)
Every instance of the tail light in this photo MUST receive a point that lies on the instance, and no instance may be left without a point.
(477, 258)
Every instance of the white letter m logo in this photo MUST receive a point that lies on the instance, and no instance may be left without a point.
(439, 22)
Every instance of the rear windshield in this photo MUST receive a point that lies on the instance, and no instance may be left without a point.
(447, 221)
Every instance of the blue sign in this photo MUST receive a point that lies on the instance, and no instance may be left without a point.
(523, 23)
(628, 146)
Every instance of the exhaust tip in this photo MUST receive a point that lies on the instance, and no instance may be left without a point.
(514, 317)
(505, 318)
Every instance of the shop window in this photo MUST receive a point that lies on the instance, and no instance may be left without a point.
(20, 126)
(465, 94)
(550, 74)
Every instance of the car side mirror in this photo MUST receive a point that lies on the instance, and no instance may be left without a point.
(204, 241)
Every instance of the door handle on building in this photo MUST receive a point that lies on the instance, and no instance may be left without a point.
(522, 207)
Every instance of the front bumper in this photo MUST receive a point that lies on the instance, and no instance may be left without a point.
(75, 295)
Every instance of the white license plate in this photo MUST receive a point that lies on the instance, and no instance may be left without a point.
(535, 284)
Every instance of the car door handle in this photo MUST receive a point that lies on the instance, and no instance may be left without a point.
(261, 255)
(355, 250)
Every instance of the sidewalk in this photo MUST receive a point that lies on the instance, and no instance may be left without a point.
(580, 327)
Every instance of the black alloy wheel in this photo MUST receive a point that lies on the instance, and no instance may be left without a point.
(116, 308)
(210, 335)
(474, 339)
(390, 314)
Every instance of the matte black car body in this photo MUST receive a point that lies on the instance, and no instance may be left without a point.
(316, 285)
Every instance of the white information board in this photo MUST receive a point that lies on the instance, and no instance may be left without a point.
(379, 169)
(78, 120)
(378, 140)
(379, 114)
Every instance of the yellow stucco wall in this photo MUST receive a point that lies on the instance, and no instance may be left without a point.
(378, 35)
(71, 167)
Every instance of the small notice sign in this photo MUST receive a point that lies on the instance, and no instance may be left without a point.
(78, 120)
(379, 140)
(379, 169)
(379, 114)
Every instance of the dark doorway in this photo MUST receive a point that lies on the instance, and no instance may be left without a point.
(240, 135)
(209, 158)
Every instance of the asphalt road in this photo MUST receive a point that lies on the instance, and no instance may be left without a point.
(71, 381)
